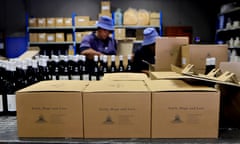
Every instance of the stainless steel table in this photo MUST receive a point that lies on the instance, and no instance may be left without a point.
(8, 134)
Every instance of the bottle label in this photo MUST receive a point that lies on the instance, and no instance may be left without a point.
(63, 77)
(85, 77)
(11, 101)
(1, 103)
(184, 61)
(93, 78)
(54, 77)
(75, 77)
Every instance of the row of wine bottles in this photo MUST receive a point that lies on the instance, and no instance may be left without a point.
(16, 74)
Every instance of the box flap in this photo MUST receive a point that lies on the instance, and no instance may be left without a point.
(175, 85)
(116, 86)
(30, 53)
(125, 76)
(167, 75)
(56, 85)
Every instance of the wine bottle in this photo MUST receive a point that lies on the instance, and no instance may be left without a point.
(121, 66)
(129, 64)
(64, 74)
(3, 104)
(70, 65)
(43, 69)
(29, 70)
(24, 82)
(100, 65)
(210, 64)
(11, 89)
(113, 67)
(75, 73)
(84, 69)
(19, 74)
(55, 68)
(95, 75)
(35, 72)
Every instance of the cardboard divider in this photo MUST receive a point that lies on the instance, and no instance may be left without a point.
(213, 76)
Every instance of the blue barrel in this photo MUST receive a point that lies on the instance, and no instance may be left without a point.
(15, 46)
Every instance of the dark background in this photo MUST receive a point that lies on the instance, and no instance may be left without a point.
(201, 15)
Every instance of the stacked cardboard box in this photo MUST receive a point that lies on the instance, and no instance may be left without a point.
(51, 109)
(180, 110)
(82, 20)
(168, 51)
(135, 107)
(196, 54)
(105, 8)
(155, 19)
(117, 109)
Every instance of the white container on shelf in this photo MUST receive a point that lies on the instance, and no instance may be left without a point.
(236, 42)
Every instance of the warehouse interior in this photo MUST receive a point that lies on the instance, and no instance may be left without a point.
(196, 68)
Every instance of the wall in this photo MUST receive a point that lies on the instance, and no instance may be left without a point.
(199, 15)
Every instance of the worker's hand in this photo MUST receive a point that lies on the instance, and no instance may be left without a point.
(90, 53)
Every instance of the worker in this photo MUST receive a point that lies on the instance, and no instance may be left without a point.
(144, 56)
(100, 42)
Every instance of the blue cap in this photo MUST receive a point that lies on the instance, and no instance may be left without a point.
(149, 36)
(106, 23)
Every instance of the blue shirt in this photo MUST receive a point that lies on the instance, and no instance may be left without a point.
(107, 46)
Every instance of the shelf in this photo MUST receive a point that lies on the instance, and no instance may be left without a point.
(51, 43)
(231, 11)
(225, 30)
(234, 48)
(138, 41)
(50, 28)
(85, 27)
(134, 27)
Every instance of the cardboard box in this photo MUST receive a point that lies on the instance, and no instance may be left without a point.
(59, 22)
(119, 33)
(41, 22)
(168, 52)
(51, 22)
(154, 22)
(51, 109)
(155, 15)
(69, 37)
(125, 76)
(125, 47)
(180, 110)
(51, 37)
(42, 37)
(117, 109)
(68, 22)
(33, 37)
(31, 52)
(196, 54)
(105, 6)
(92, 23)
(33, 22)
(60, 37)
(79, 36)
(82, 20)
(139, 34)
(233, 67)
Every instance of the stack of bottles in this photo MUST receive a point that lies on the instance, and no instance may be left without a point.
(16, 74)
